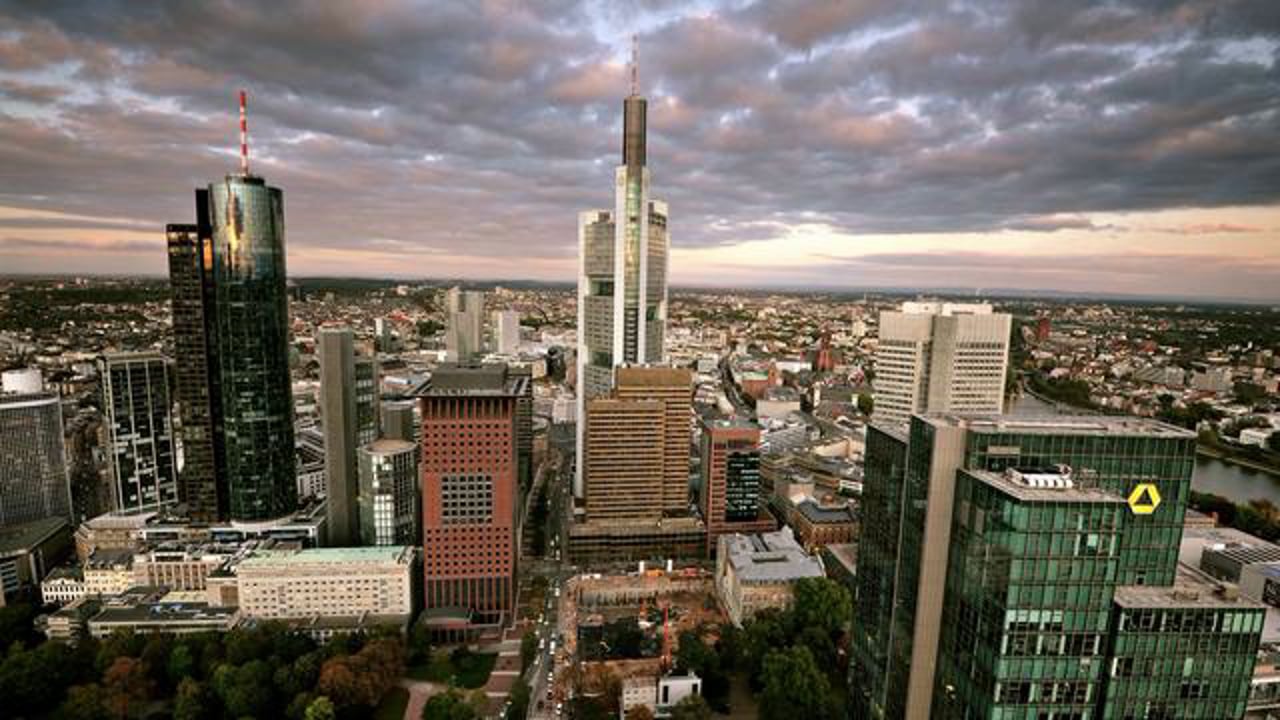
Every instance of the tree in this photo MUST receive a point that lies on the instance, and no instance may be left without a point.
(639, 712)
(691, 707)
(519, 699)
(1273, 442)
(84, 702)
(321, 709)
(448, 705)
(528, 649)
(246, 690)
(794, 687)
(866, 403)
(418, 648)
(822, 603)
(181, 664)
(16, 625)
(191, 701)
(126, 685)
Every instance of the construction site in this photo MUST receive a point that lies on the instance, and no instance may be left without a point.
(625, 626)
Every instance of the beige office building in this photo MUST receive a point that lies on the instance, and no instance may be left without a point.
(673, 388)
(335, 582)
(940, 357)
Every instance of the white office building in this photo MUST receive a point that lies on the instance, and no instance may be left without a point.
(940, 357)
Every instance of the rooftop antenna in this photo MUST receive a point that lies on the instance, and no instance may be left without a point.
(244, 137)
(635, 64)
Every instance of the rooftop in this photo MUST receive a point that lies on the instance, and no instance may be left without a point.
(1190, 589)
(22, 538)
(386, 446)
(768, 557)
(398, 554)
(487, 379)
(1060, 425)
(1030, 493)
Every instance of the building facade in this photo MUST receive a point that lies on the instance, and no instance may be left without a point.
(33, 471)
(464, 324)
(398, 421)
(622, 275)
(940, 357)
(469, 492)
(389, 495)
(350, 414)
(139, 422)
(994, 558)
(327, 582)
(754, 572)
(506, 332)
(729, 497)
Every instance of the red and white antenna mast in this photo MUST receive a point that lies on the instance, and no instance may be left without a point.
(244, 138)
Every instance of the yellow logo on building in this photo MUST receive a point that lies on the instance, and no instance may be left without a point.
(1144, 499)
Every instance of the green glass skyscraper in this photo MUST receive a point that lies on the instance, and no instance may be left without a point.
(1007, 563)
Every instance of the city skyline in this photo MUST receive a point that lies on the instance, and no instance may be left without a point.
(1103, 150)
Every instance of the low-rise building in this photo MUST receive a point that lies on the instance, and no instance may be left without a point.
(108, 572)
(754, 572)
(179, 568)
(62, 585)
(156, 610)
(327, 582)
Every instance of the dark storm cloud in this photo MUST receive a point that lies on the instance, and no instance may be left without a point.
(483, 128)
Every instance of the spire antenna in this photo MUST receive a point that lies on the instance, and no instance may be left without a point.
(244, 137)
(635, 64)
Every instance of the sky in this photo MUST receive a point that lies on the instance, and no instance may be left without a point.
(1130, 146)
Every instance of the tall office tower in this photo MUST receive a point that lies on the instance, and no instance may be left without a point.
(228, 277)
(624, 444)
(382, 335)
(730, 494)
(941, 357)
(464, 329)
(33, 469)
(397, 420)
(350, 413)
(506, 332)
(389, 494)
(622, 275)
(202, 477)
(1012, 565)
(139, 421)
(524, 427)
(673, 387)
(469, 495)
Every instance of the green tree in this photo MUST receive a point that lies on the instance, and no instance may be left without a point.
(191, 701)
(691, 707)
(321, 709)
(794, 687)
(822, 603)
(448, 705)
(639, 712)
(519, 698)
(84, 702)
(866, 403)
(418, 648)
(16, 625)
(528, 649)
(181, 664)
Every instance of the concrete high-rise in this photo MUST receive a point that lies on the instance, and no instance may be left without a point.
(1009, 566)
(729, 497)
(33, 469)
(397, 420)
(350, 413)
(673, 388)
(622, 274)
(389, 493)
(139, 422)
(940, 357)
(469, 495)
(464, 324)
(231, 333)
(506, 332)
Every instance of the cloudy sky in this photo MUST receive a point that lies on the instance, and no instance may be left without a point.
(1126, 146)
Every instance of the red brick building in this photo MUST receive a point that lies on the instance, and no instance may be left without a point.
(469, 495)
(730, 494)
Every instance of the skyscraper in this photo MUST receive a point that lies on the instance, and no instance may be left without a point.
(940, 357)
(228, 278)
(33, 469)
(673, 388)
(464, 329)
(397, 420)
(469, 495)
(389, 496)
(729, 497)
(139, 421)
(350, 413)
(506, 331)
(202, 479)
(1004, 562)
(622, 276)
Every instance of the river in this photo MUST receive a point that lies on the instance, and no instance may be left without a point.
(1238, 484)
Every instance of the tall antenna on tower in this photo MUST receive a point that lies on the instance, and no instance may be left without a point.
(635, 64)
(244, 138)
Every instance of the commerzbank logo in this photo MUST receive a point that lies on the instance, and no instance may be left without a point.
(1144, 499)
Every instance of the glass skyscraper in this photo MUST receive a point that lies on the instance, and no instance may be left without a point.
(622, 278)
(33, 469)
(135, 398)
(231, 331)
(1004, 573)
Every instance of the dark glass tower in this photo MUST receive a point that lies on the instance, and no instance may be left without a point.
(251, 332)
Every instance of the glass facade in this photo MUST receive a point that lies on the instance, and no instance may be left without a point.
(135, 396)
(246, 220)
(742, 483)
